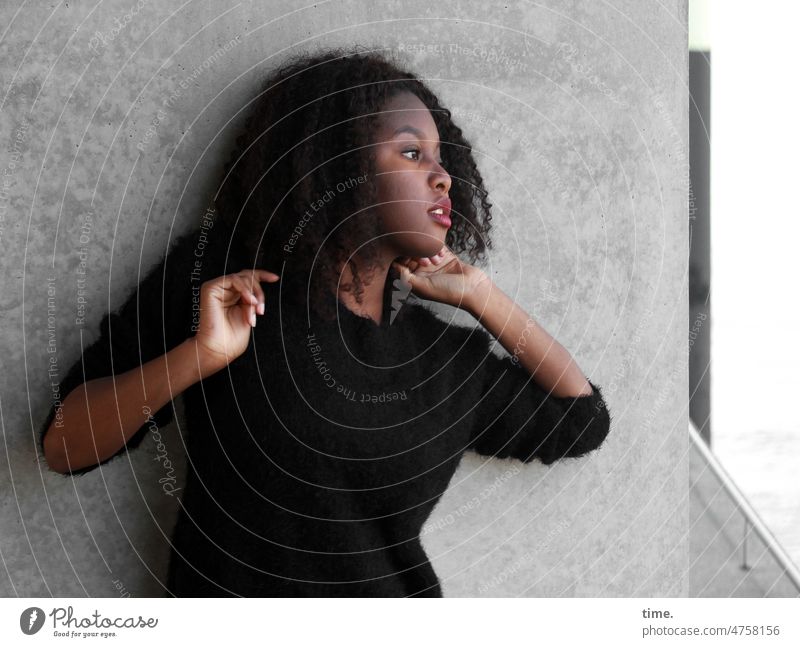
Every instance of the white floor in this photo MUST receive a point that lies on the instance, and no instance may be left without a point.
(766, 466)
(754, 260)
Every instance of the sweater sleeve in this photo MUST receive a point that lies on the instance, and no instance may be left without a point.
(516, 418)
(151, 322)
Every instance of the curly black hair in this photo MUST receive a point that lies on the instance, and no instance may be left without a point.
(309, 131)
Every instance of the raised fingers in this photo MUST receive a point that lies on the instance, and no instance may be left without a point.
(253, 279)
(245, 288)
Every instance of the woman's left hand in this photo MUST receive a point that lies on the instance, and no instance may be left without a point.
(443, 278)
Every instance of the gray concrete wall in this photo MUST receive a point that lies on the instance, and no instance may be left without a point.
(578, 114)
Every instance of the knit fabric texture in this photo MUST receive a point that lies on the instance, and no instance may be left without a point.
(314, 459)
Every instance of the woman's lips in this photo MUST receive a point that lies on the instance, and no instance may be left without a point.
(440, 212)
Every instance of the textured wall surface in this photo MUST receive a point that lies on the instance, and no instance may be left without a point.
(115, 121)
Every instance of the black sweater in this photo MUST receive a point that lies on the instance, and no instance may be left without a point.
(315, 457)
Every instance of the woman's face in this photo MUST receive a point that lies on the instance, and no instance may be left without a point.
(410, 179)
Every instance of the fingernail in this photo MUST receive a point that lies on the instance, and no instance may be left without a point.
(253, 319)
(261, 308)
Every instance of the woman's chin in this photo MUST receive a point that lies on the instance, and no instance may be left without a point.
(429, 246)
(433, 244)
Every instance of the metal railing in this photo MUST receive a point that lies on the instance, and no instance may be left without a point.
(750, 515)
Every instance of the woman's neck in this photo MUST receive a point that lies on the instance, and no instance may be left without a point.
(372, 296)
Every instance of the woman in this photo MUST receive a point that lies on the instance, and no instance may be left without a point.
(328, 407)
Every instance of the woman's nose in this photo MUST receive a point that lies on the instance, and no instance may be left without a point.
(441, 178)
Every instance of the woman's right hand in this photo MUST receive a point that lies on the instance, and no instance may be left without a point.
(228, 307)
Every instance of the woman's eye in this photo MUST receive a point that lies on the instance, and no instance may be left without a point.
(416, 151)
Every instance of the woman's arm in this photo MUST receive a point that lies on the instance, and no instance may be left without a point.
(100, 416)
(550, 364)
(535, 404)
